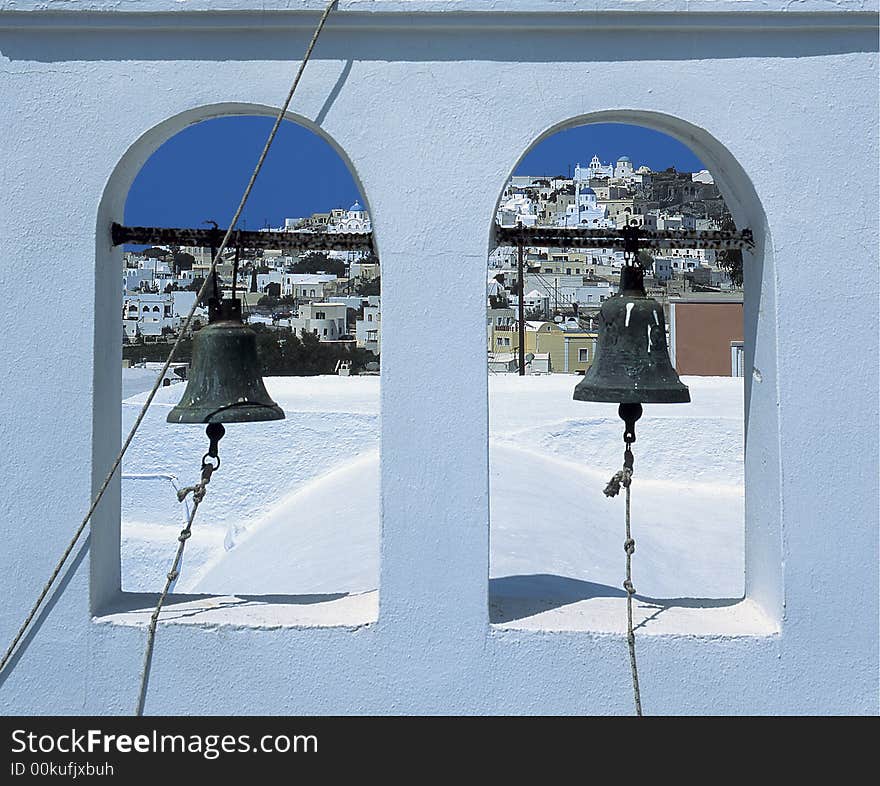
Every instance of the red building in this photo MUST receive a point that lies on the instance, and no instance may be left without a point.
(706, 334)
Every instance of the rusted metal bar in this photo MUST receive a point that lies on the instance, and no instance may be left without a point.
(563, 237)
(521, 352)
(276, 241)
(556, 237)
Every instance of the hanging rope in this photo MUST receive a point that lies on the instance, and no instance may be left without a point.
(198, 492)
(185, 327)
(624, 478)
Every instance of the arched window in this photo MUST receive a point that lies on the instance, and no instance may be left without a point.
(555, 539)
(295, 511)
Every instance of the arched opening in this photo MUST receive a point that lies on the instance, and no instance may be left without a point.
(555, 540)
(295, 505)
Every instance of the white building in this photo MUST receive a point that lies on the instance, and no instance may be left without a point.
(536, 300)
(641, 175)
(308, 285)
(689, 258)
(563, 290)
(272, 277)
(368, 330)
(326, 320)
(596, 170)
(516, 210)
(350, 301)
(662, 268)
(149, 273)
(703, 176)
(591, 294)
(584, 212)
(355, 219)
(661, 220)
(148, 314)
(623, 169)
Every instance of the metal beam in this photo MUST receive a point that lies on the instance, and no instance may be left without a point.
(521, 352)
(277, 241)
(541, 237)
(563, 237)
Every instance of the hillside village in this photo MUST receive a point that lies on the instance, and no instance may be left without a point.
(328, 305)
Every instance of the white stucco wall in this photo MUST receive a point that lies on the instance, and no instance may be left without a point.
(416, 93)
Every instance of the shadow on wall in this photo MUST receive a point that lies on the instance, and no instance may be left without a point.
(517, 597)
(576, 44)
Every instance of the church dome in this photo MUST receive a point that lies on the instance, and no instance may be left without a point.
(356, 207)
(588, 191)
(624, 159)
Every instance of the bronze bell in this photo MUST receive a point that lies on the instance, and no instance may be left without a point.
(631, 364)
(225, 385)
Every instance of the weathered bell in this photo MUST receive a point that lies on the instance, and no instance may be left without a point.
(225, 385)
(631, 364)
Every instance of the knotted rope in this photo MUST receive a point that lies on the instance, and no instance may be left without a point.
(624, 478)
(198, 492)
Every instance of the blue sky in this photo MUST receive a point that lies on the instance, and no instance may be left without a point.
(200, 174)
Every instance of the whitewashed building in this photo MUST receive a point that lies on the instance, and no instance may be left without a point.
(308, 285)
(596, 170)
(623, 169)
(585, 212)
(368, 329)
(147, 314)
(517, 210)
(355, 219)
(326, 320)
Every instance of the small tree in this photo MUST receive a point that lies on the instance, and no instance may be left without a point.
(646, 260)
(367, 287)
(182, 261)
(319, 262)
(154, 252)
(731, 260)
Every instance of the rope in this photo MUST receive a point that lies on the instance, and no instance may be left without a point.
(624, 478)
(186, 325)
(198, 492)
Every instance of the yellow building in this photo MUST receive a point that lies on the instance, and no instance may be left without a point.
(571, 349)
(501, 330)
(562, 263)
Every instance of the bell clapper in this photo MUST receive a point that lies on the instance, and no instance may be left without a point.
(629, 414)
(215, 432)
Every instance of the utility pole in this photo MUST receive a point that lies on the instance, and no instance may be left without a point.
(522, 311)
